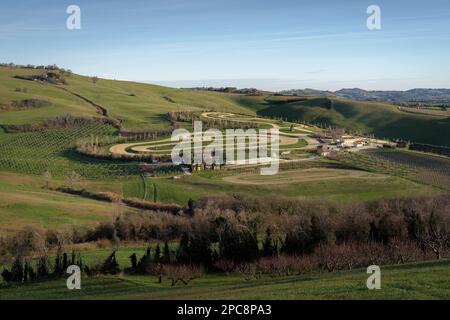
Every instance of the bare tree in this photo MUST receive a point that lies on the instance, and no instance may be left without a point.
(433, 233)
(182, 273)
(74, 180)
(47, 176)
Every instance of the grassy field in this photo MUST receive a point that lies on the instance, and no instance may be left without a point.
(410, 281)
(61, 102)
(139, 106)
(25, 203)
(292, 183)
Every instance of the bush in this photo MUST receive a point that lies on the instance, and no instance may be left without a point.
(30, 103)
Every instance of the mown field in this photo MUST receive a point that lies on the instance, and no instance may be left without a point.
(24, 202)
(411, 281)
(291, 183)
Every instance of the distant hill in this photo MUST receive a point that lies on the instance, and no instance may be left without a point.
(307, 92)
(413, 95)
(427, 96)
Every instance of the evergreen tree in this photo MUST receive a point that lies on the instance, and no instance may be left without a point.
(80, 262)
(166, 253)
(42, 268)
(238, 244)
(191, 207)
(157, 253)
(31, 274)
(17, 270)
(133, 259)
(26, 272)
(110, 265)
(183, 248)
(58, 269)
(65, 261)
(7, 275)
(269, 245)
(144, 262)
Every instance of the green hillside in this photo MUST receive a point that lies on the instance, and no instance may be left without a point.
(13, 89)
(382, 120)
(143, 106)
(139, 106)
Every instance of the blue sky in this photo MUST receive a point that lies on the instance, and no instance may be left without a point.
(266, 44)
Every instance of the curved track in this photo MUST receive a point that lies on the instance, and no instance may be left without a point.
(164, 146)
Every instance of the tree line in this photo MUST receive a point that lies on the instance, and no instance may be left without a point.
(254, 235)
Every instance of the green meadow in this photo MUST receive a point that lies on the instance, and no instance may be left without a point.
(410, 282)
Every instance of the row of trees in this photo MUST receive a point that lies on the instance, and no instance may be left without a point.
(31, 66)
(23, 270)
(186, 116)
(238, 233)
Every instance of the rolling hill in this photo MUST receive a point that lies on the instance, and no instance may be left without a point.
(141, 106)
(421, 95)
(382, 120)
(138, 106)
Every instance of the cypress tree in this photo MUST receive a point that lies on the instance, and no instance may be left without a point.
(42, 268)
(183, 248)
(191, 207)
(166, 252)
(31, 273)
(133, 259)
(7, 275)
(144, 262)
(65, 261)
(58, 270)
(26, 271)
(110, 265)
(269, 247)
(157, 253)
(17, 270)
(80, 261)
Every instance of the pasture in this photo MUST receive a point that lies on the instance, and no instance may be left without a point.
(411, 281)
(25, 203)
(140, 106)
(343, 185)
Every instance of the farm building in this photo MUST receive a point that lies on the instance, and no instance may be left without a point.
(350, 142)
(326, 151)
